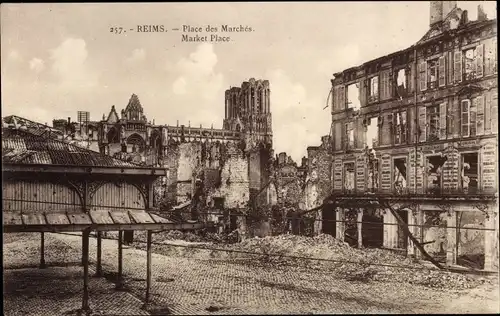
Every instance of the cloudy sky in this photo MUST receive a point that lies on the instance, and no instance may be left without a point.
(57, 59)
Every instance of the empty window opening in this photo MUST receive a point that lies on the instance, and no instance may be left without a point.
(218, 203)
(470, 172)
(470, 246)
(433, 123)
(329, 223)
(349, 129)
(435, 233)
(470, 63)
(373, 89)
(373, 167)
(353, 96)
(372, 132)
(400, 128)
(349, 177)
(400, 175)
(351, 227)
(113, 136)
(432, 78)
(401, 83)
(434, 172)
(372, 229)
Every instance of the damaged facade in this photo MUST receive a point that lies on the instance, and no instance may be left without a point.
(211, 168)
(424, 131)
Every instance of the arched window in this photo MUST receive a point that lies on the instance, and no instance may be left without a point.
(260, 96)
(137, 140)
(155, 140)
(252, 96)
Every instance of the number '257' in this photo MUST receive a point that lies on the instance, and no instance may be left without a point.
(116, 30)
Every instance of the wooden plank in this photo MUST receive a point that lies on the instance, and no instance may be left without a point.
(34, 219)
(159, 219)
(57, 219)
(98, 271)
(141, 217)
(12, 219)
(120, 217)
(148, 266)
(119, 284)
(101, 217)
(81, 218)
(85, 258)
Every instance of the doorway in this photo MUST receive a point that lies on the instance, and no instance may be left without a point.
(329, 220)
(373, 229)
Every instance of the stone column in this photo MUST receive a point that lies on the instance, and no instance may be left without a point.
(410, 247)
(360, 228)
(419, 230)
(390, 230)
(340, 224)
(451, 238)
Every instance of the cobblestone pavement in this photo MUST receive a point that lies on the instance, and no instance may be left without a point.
(56, 290)
(208, 286)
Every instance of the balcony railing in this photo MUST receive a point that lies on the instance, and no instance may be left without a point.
(404, 191)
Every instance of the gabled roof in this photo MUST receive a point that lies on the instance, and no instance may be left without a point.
(134, 104)
(22, 147)
(112, 116)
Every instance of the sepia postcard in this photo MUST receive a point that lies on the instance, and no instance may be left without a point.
(196, 158)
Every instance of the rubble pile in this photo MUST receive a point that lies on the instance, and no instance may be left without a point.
(288, 251)
(353, 264)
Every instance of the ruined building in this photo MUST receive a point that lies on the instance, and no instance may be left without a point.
(419, 128)
(221, 168)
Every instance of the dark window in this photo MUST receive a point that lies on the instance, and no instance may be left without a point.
(470, 172)
(434, 172)
(433, 123)
(400, 128)
(399, 175)
(432, 73)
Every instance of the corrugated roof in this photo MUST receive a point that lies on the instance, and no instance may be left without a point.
(31, 127)
(20, 146)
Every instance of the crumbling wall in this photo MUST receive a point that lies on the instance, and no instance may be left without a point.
(235, 182)
(223, 168)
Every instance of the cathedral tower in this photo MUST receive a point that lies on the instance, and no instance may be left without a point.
(248, 110)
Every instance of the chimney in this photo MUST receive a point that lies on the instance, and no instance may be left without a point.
(304, 161)
(439, 10)
(436, 12)
(282, 158)
(481, 15)
(465, 17)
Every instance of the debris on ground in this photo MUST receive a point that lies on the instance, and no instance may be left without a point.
(289, 251)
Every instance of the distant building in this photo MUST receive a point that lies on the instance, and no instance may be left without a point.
(225, 166)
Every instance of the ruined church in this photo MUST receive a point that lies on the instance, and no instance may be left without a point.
(224, 168)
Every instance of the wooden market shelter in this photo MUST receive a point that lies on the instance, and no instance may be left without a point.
(52, 186)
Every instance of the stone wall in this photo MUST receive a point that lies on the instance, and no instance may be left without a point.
(222, 167)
